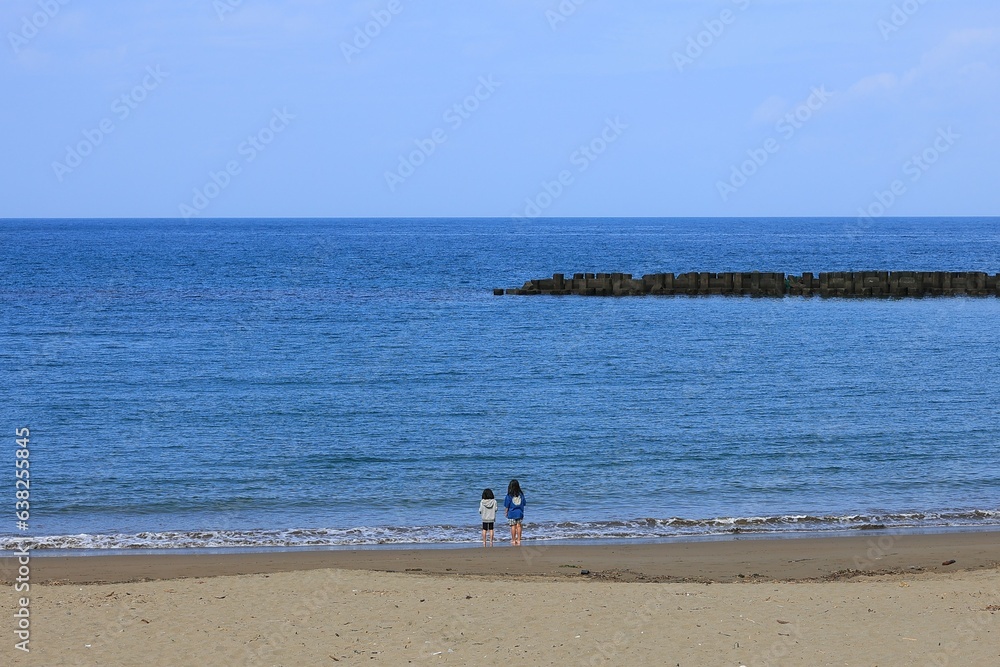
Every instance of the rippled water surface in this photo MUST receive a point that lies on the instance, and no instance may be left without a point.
(240, 382)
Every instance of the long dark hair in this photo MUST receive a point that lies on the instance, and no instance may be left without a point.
(488, 494)
(514, 489)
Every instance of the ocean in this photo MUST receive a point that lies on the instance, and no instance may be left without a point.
(288, 383)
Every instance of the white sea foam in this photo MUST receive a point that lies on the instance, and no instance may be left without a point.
(642, 528)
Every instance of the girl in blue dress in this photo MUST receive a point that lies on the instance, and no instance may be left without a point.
(514, 510)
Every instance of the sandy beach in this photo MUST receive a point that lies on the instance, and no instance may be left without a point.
(873, 599)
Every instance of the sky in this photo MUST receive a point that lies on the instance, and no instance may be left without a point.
(526, 108)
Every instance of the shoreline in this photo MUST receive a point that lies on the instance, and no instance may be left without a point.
(54, 544)
(722, 559)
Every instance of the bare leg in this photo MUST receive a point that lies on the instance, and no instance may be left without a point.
(518, 526)
(484, 537)
(491, 537)
(513, 534)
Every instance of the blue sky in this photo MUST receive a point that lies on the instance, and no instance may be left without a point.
(229, 108)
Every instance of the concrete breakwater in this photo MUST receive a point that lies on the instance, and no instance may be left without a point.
(756, 283)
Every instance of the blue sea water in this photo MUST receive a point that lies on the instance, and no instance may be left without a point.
(341, 382)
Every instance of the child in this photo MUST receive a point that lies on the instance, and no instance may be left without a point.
(488, 511)
(514, 509)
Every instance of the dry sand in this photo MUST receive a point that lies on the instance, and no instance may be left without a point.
(876, 599)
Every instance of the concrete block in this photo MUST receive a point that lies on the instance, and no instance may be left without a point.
(774, 284)
(704, 282)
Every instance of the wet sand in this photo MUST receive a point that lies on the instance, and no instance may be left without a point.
(725, 560)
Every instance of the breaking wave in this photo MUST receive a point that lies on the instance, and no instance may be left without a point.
(642, 528)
